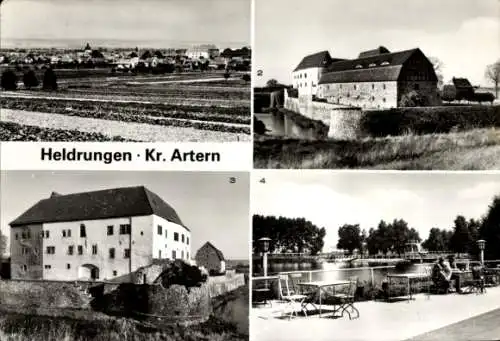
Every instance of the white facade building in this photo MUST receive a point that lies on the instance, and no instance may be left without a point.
(309, 71)
(100, 235)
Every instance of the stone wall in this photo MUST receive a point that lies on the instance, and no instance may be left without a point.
(45, 294)
(344, 121)
(366, 95)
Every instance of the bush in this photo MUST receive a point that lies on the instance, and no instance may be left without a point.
(259, 127)
(49, 80)
(227, 74)
(413, 99)
(246, 77)
(9, 80)
(449, 93)
(30, 80)
(428, 120)
(483, 97)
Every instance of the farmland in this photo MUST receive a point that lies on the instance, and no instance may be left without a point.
(188, 106)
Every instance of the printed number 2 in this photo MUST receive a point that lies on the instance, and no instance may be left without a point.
(259, 73)
(262, 181)
(232, 180)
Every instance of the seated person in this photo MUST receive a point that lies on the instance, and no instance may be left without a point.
(455, 276)
(441, 274)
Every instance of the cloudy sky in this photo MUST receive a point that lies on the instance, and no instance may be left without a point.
(213, 208)
(160, 22)
(331, 199)
(463, 34)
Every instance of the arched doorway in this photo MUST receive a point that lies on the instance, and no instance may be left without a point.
(88, 272)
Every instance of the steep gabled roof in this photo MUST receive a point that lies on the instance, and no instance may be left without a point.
(379, 67)
(320, 59)
(104, 204)
(461, 83)
(217, 251)
(375, 52)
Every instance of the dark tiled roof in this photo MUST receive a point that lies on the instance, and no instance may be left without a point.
(320, 59)
(210, 245)
(109, 203)
(461, 83)
(375, 52)
(380, 67)
(376, 74)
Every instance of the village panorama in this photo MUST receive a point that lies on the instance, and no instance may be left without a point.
(97, 93)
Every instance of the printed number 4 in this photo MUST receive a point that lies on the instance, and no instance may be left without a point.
(262, 181)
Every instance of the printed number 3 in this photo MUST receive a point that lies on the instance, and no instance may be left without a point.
(232, 180)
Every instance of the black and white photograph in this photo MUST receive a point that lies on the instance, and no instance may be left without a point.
(106, 70)
(375, 256)
(105, 255)
(377, 84)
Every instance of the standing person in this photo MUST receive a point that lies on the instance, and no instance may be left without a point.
(455, 273)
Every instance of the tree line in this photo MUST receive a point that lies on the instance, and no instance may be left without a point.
(10, 79)
(461, 238)
(296, 235)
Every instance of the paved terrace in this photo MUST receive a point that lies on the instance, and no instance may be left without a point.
(439, 317)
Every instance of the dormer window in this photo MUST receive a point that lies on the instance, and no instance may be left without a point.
(359, 66)
(385, 63)
(372, 65)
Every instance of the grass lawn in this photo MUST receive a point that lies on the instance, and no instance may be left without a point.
(476, 149)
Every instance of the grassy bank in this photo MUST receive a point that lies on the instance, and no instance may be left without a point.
(470, 150)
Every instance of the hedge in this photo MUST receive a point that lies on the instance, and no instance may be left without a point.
(426, 120)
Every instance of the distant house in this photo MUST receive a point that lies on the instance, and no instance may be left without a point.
(463, 88)
(203, 52)
(211, 259)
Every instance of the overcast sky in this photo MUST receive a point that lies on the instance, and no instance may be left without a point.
(164, 22)
(463, 34)
(208, 204)
(332, 199)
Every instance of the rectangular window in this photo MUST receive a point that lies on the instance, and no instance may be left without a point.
(110, 230)
(68, 233)
(47, 266)
(125, 229)
(80, 250)
(115, 273)
(160, 230)
(187, 241)
(187, 255)
(24, 251)
(51, 250)
(166, 233)
(126, 253)
(24, 267)
(94, 249)
(64, 233)
(46, 234)
(83, 232)
(23, 235)
(17, 236)
(182, 238)
(112, 253)
(159, 254)
(68, 266)
(176, 236)
(71, 250)
(173, 254)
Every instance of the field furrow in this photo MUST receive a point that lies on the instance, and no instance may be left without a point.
(127, 130)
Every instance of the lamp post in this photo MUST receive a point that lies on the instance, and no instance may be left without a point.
(364, 252)
(481, 243)
(264, 246)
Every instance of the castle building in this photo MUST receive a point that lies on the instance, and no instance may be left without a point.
(97, 235)
(376, 79)
(307, 74)
(207, 51)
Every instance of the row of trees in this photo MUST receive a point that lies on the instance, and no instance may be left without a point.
(386, 237)
(10, 79)
(461, 238)
(296, 235)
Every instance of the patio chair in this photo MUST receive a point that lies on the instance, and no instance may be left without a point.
(290, 298)
(477, 284)
(346, 300)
